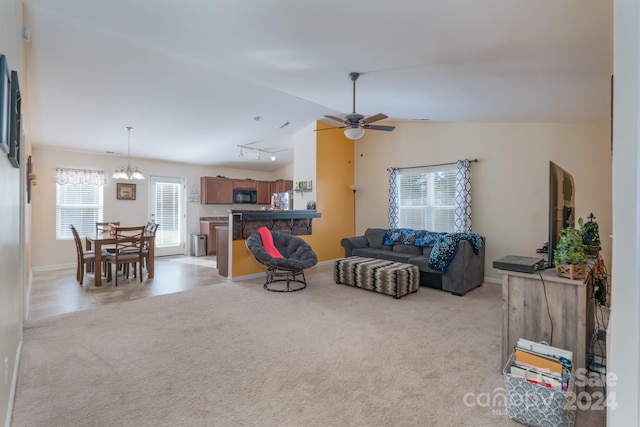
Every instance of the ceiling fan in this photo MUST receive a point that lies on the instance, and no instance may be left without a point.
(354, 124)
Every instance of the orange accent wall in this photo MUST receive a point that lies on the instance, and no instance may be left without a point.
(334, 200)
(334, 197)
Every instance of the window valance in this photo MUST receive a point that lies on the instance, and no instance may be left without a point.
(66, 176)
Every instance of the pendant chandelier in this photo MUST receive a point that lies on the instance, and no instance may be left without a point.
(128, 172)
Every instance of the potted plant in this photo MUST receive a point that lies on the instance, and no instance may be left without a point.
(569, 256)
(590, 235)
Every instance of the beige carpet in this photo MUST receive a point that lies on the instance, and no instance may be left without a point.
(233, 354)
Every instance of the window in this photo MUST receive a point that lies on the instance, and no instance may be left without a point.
(426, 198)
(433, 198)
(80, 205)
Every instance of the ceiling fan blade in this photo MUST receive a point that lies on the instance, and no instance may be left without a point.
(337, 127)
(337, 119)
(375, 118)
(379, 127)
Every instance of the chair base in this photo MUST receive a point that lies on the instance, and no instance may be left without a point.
(275, 275)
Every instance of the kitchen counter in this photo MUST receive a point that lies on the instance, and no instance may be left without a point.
(219, 218)
(247, 222)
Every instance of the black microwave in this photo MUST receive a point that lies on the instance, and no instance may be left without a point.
(242, 195)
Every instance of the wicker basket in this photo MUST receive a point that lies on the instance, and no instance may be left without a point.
(572, 271)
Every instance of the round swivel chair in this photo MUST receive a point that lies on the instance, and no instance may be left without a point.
(297, 256)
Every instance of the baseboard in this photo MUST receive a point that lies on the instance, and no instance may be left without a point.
(27, 297)
(492, 280)
(53, 267)
(14, 384)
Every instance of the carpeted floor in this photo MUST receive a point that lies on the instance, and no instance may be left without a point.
(233, 354)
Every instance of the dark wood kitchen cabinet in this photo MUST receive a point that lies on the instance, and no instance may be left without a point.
(209, 228)
(215, 190)
(219, 191)
(264, 192)
(281, 185)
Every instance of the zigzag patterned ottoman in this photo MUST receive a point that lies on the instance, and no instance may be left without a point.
(386, 277)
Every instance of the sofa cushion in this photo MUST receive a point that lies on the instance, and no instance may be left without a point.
(375, 237)
(367, 252)
(395, 256)
(426, 251)
(408, 249)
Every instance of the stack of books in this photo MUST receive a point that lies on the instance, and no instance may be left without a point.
(541, 364)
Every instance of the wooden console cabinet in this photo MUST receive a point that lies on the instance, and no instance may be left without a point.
(525, 315)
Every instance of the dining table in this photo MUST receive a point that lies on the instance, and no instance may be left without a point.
(98, 240)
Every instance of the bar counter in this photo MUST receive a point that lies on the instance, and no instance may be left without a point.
(247, 222)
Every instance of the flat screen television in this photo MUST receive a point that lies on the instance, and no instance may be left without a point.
(561, 205)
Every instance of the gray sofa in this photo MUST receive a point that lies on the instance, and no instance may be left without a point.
(464, 272)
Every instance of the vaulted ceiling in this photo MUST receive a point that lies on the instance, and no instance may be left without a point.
(191, 76)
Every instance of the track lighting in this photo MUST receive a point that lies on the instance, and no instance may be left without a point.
(258, 151)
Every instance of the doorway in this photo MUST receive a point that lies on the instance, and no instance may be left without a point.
(167, 208)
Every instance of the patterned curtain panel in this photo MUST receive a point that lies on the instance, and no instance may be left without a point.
(394, 210)
(462, 211)
(80, 177)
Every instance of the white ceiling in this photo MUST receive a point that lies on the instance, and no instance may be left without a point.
(191, 75)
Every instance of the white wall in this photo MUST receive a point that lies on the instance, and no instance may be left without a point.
(623, 339)
(47, 252)
(304, 161)
(510, 181)
(10, 248)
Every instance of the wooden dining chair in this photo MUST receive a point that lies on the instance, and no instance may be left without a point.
(105, 227)
(149, 230)
(128, 251)
(84, 258)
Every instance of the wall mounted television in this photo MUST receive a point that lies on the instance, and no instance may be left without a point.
(5, 103)
(561, 205)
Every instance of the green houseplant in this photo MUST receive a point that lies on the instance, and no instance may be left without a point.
(569, 256)
(590, 235)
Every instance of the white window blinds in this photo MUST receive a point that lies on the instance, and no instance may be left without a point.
(426, 198)
(168, 213)
(78, 205)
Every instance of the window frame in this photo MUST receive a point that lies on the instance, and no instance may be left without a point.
(63, 232)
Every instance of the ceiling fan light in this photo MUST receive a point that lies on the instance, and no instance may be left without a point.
(354, 133)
